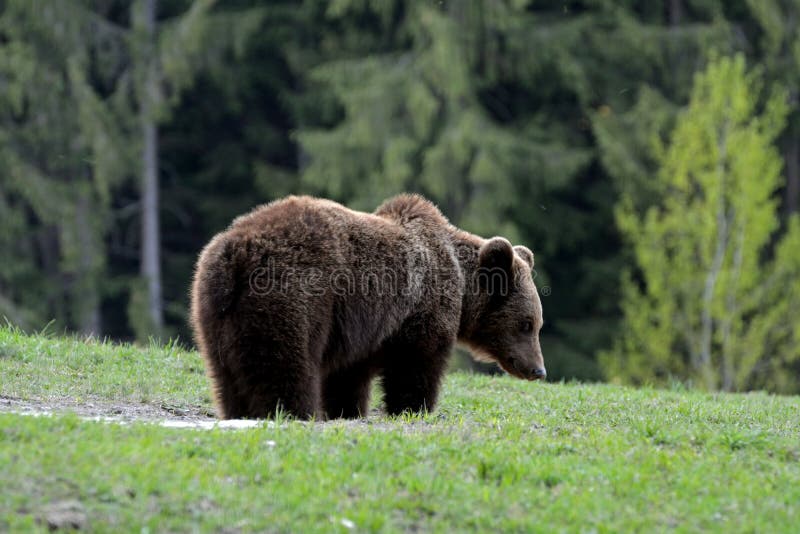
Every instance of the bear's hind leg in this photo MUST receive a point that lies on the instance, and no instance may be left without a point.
(279, 384)
(227, 400)
(345, 392)
(261, 376)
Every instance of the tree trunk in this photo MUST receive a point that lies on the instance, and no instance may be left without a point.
(705, 364)
(87, 296)
(151, 262)
(729, 371)
(675, 12)
(674, 16)
(47, 244)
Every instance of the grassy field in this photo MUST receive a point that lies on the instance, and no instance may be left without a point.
(499, 454)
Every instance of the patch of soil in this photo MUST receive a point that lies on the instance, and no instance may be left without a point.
(63, 515)
(190, 417)
(103, 409)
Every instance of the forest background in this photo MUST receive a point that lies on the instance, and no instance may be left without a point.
(647, 151)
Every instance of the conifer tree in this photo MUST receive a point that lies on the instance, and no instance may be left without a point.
(62, 156)
(87, 90)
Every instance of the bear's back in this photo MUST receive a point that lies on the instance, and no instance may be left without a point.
(307, 231)
(399, 211)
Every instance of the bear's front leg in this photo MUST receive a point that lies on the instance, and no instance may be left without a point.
(413, 373)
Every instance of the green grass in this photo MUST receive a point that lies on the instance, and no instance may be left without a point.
(499, 454)
(45, 367)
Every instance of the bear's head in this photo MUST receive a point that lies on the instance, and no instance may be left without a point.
(506, 313)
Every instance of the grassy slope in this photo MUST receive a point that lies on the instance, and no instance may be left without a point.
(498, 454)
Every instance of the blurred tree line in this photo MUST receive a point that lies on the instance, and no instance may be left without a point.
(131, 132)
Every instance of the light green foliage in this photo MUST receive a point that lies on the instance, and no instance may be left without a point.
(499, 455)
(704, 312)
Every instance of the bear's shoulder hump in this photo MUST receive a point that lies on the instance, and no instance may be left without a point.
(409, 207)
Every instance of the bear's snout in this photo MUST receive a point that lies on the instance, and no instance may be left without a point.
(528, 372)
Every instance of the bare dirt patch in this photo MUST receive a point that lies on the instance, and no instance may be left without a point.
(192, 417)
(63, 515)
(104, 409)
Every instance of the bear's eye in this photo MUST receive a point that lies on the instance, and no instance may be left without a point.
(527, 327)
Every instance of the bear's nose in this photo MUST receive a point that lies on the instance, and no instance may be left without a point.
(539, 374)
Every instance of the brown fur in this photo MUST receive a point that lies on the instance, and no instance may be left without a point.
(302, 302)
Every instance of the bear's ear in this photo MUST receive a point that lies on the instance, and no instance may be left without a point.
(496, 253)
(525, 253)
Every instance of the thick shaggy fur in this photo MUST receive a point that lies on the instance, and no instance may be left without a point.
(302, 302)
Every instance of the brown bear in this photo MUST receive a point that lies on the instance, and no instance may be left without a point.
(299, 304)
